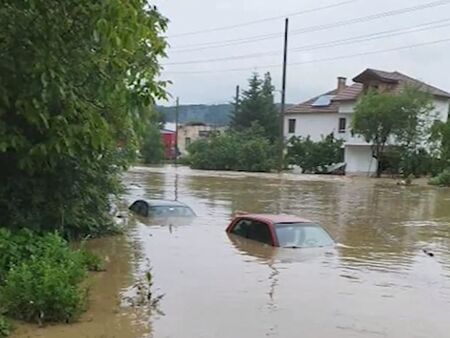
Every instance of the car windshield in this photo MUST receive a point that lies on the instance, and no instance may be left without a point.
(170, 211)
(302, 235)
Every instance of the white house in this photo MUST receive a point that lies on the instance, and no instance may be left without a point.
(332, 112)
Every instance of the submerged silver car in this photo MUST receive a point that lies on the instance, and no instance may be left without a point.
(161, 209)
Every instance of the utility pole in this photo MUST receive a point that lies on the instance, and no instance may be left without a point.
(236, 101)
(177, 107)
(283, 97)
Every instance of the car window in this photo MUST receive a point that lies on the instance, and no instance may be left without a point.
(302, 235)
(170, 211)
(140, 207)
(241, 228)
(257, 231)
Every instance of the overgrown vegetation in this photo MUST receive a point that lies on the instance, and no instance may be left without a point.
(313, 156)
(443, 179)
(78, 78)
(5, 327)
(41, 278)
(241, 151)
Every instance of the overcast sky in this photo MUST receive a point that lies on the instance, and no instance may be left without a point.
(199, 83)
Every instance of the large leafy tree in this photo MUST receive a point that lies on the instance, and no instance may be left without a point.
(257, 106)
(75, 79)
(383, 118)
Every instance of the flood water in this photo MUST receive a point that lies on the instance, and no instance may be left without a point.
(378, 282)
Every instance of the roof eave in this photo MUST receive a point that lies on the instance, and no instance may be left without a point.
(369, 73)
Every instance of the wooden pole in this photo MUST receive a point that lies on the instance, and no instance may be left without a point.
(177, 107)
(283, 97)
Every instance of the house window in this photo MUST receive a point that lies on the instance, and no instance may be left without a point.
(342, 125)
(291, 129)
(204, 133)
(187, 141)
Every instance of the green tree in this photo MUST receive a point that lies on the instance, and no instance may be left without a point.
(75, 77)
(257, 105)
(382, 118)
(414, 131)
(152, 150)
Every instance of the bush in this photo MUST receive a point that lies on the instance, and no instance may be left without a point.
(5, 327)
(41, 277)
(311, 156)
(240, 151)
(443, 179)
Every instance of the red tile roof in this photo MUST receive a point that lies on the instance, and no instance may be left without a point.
(307, 106)
(403, 81)
(350, 93)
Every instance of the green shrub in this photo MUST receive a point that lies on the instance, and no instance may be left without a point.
(443, 179)
(311, 156)
(41, 277)
(91, 261)
(240, 151)
(5, 327)
(42, 290)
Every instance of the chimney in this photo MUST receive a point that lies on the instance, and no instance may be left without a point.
(342, 84)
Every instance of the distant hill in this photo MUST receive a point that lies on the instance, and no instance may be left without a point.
(218, 115)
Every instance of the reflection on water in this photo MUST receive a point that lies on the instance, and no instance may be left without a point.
(377, 282)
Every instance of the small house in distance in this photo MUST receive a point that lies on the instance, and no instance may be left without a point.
(332, 111)
(168, 138)
(193, 131)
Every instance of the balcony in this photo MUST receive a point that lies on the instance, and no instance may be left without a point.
(351, 139)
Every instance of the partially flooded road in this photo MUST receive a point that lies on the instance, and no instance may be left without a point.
(378, 282)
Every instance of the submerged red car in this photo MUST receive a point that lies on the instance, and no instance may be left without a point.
(280, 230)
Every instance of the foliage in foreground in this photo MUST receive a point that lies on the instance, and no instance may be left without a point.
(240, 151)
(41, 278)
(80, 75)
(443, 179)
(5, 327)
(311, 156)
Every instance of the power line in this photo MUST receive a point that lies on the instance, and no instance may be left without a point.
(333, 43)
(341, 57)
(310, 29)
(249, 23)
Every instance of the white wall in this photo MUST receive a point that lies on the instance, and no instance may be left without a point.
(441, 108)
(346, 107)
(359, 160)
(315, 125)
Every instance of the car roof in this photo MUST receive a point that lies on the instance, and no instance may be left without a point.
(165, 203)
(280, 218)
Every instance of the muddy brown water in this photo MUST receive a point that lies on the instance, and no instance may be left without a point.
(378, 282)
